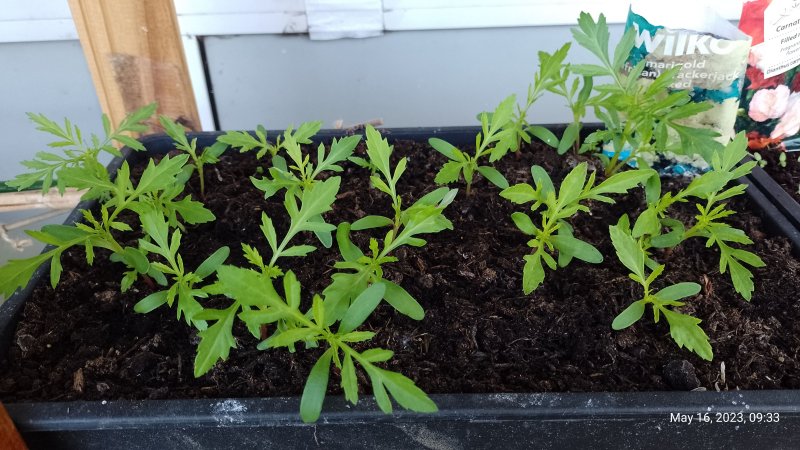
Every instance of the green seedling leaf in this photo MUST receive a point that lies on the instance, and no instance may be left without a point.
(247, 287)
(162, 175)
(446, 149)
(685, 331)
(322, 230)
(257, 317)
(193, 212)
(520, 194)
(134, 258)
(495, 177)
(647, 223)
(442, 194)
(269, 231)
(577, 248)
(678, 291)
(55, 269)
(348, 250)
(357, 336)
(544, 135)
(318, 310)
(156, 227)
(151, 302)
(629, 316)
(742, 278)
(316, 200)
(449, 173)
(568, 138)
(705, 184)
(305, 132)
(287, 338)
(362, 307)
(628, 251)
(532, 273)
(216, 342)
(622, 182)
(314, 390)
(572, 184)
(589, 70)
(503, 113)
(652, 189)
(211, 154)
(291, 288)
(129, 142)
(671, 239)
(368, 222)
(156, 275)
(340, 151)
(298, 250)
(242, 140)
(16, 273)
(374, 355)
(127, 280)
(253, 256)
(402, 301)
(349, 380)
(175, 131)
(407, 394)
(381, 397)
(543, 182)
(210, 264)
(524, 223)
(424, 220)
(379, 151)
(623, 49)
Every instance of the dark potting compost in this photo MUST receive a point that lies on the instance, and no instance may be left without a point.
(786, 175)
(480, 334)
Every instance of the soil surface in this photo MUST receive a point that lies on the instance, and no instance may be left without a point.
(788, 175)
(480, 334)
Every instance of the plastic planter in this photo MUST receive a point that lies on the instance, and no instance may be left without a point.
(768, 419)
(783, 202)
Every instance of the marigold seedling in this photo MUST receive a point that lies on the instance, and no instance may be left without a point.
(159, 242)
(711, 189)
(636, 118)
(423, 217)
(492, 132)
(210, 155)
(312, 327)
(246, 142)
(298, 173)
(576, 93)
(77, 153)
(156, 192)
(683, 328)
(555, 234)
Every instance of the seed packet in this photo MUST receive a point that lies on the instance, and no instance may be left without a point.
(770, 104)
(711, 52)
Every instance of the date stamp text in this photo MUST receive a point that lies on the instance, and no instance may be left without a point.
(725, 417)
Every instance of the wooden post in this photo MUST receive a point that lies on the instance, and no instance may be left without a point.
(9, 436)
(135, 55)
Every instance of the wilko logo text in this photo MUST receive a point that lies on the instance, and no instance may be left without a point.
(682, 43)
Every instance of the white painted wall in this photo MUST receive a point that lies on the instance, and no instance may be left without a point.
(429, 68)
(38, 20)
(411, 78)
(49, 78)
